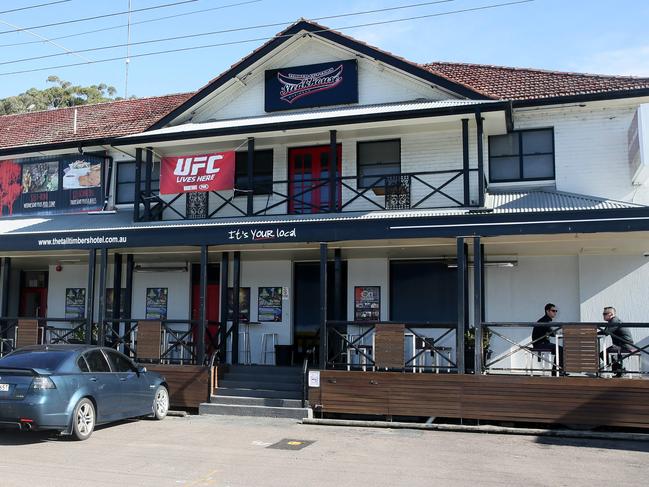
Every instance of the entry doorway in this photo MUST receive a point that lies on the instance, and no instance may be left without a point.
(306, 308)
(212, 309)
(33, 294)
(308, 172)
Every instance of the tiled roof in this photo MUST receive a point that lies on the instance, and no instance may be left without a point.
(524, 84)
(103, 120)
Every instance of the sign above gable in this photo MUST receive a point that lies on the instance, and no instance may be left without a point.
(313, 85)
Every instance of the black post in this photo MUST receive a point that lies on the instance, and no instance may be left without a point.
(338, 284)
(117, 294)
(138, 184)
(323, 306)
(250, 174)
(6, 280)
(477, 302)
(333, 166)
(481, 188)
(90, 294)
(461, 300)
(236, 282)
(200, 346)
(223, 325)
(465, 161)
(147, 184)
(128, 300)
(103, 268)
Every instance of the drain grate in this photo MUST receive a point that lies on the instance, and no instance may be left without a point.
(289, 444)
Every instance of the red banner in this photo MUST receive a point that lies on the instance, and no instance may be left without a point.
(206, 172)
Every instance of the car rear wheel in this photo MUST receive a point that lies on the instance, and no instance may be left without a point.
(83, 420)
(160, 403)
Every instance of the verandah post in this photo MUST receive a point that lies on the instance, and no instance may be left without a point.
(236, 283)
(323, 306)
(461, 300)
(223, 325)
(200, 346)
(90, 296)
(103, 268)
(477, 301)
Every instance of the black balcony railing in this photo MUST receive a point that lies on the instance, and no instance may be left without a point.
(416, 190)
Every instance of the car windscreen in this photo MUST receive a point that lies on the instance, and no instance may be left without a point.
(34, 359)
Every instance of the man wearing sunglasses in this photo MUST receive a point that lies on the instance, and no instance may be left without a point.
(620, 336)
(541, 333)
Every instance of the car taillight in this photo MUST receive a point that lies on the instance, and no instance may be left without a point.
(42, 382)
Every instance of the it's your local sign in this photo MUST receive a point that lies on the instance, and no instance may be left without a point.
(256, 235)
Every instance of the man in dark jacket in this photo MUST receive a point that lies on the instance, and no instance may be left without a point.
(541, 333)
(620, 336)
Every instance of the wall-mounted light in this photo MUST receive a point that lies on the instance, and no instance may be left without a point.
(491, 263)
(145, 268)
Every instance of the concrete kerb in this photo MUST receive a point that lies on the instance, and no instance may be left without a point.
(558, 433)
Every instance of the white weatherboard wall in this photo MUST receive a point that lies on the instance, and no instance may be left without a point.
(518, 294)
(69, 276)
(256, 274)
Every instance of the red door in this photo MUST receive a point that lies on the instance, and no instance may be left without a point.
(33, 302)
(308, 172)
(212, 314)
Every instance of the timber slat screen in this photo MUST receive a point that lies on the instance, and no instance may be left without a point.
(389, 346)
(576, 400)
(580, 348)
(189, 385)
(149, 335)
(27, 333)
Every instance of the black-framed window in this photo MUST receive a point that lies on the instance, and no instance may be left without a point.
(377, 158)
(523, 155)
(125, 177)
(262, 173)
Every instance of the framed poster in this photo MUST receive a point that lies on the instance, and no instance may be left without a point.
(244, 304)
(367, 303)
(156, 303)
(269, 304)
(75, 303)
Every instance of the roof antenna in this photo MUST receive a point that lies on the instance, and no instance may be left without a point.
(128, 50)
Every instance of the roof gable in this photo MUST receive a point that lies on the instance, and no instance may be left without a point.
(287, 37)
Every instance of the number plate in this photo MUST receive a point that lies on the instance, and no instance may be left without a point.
(4, 387)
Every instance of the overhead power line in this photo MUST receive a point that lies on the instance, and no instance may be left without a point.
(33, 6)
(121, 26)
(224, 31)
(72, 21)
(369, 24)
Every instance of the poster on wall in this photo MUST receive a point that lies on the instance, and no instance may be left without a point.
(367, 303)
(269, 304)
(156, 303)
(244, 304)
(313, 85)
(75, 303)
(46, 185)
(206, 172)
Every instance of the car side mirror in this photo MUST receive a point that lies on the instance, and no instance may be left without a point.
(141, 370)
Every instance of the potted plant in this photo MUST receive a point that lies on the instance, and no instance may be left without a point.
(469, 348)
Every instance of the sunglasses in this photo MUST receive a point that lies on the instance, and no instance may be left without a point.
(554, 310)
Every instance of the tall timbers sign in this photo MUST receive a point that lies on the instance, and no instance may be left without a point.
(205, 172)
(314, 85)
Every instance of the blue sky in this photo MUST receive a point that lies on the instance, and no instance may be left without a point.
(595, 36)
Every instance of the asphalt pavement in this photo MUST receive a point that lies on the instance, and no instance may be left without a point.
(236, 451)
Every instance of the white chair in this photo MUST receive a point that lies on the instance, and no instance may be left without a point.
(361, 352)
(268, 339)
(540, 362)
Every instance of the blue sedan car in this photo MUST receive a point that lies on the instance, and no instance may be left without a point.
(72, 388)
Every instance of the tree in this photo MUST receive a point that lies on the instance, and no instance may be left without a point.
(62, 94)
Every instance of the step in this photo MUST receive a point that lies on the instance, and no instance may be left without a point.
(255, 370)
(255, 384)
(226, 391)
(263, 411)
(264, 376)
(256, 401)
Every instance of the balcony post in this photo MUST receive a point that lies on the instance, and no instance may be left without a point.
(323, 306)
(338, 285)
(138, 184)
(461, 301)
(90, 294)
(478, 269)
(223, 325)
(465, 161)
(481, 181)
(333, 167)
(147, 183)
(250, 173)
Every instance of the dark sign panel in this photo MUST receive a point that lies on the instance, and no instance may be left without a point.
(48, 185)
(314, 85)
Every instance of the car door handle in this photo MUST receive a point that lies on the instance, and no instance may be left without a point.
(122, 379)
(93, 379)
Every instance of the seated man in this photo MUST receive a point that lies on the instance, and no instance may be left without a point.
(541, 333)
(620, 336)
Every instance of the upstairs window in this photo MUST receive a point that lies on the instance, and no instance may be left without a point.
(377, 159)
(262, 172)
(526, 155)
(125, 187)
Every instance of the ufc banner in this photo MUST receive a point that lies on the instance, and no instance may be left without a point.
(206, 172)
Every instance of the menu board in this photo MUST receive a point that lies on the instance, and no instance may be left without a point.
(367, 303)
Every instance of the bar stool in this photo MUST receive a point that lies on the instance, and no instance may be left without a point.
(628, 362)
(244, 346)
(445, 353)
(541, 360)
(266, 339)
